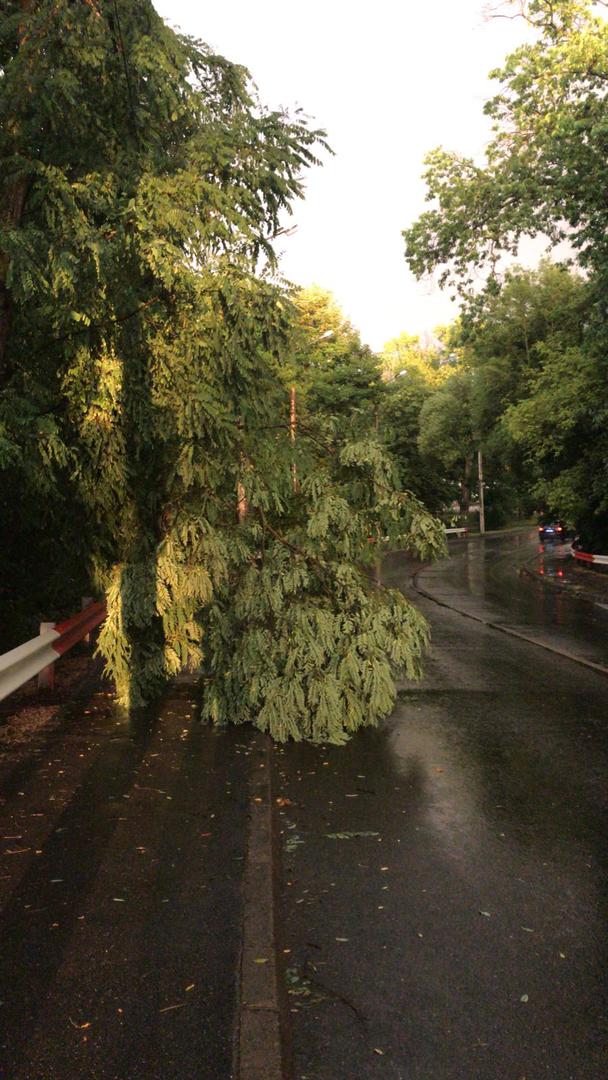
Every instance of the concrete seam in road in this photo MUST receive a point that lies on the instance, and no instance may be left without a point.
(511, 632)
(260, 1045)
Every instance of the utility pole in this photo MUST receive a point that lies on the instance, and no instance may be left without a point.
(482, 510)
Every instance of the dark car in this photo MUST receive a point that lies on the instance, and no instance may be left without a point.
(551, 530)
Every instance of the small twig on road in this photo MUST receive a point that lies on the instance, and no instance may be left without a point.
(308, 965)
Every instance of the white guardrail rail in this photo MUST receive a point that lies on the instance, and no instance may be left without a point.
(38, 655)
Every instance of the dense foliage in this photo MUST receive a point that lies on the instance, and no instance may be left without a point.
(303, 640)
(144, 407)
(153, 182)
(544, 174)
(413, 375)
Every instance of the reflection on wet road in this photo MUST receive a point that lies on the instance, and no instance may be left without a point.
(445, 884)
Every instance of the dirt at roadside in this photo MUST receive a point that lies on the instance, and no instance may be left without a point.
(30, 711)
(592, 584)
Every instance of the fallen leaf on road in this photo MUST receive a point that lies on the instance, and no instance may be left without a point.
(348, 835)
(486, 914)
(524, 998)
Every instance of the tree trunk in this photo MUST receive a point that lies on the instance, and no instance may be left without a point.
(242, 506)
(14, 200)
(293, 423)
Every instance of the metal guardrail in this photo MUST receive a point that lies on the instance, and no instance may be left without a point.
(457, 532)
(38, 655)
(584, 556)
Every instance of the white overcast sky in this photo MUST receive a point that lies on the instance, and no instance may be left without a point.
(388, 80)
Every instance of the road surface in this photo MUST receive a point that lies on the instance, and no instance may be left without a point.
(120, 893)
(445, 881)
(443, 890)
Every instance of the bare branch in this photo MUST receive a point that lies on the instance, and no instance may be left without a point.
(492, 11)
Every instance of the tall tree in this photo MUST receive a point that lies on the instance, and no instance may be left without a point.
(140, 333)
(544, 169)
(544, 174)
(447, 434)
(145, 387)
(412, 374)
(335, 372)
(508, 336)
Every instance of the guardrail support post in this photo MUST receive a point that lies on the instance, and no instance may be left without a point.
(84, 603)
(46, 678)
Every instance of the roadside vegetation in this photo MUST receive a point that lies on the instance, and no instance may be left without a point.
(215, 450)
(544, 174)
(146, 343)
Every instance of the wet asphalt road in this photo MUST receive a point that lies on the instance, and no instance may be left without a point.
(444, 885)
(486, 579)
(445, 881)
(121, 858)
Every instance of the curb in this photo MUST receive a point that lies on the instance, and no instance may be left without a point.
(599, 668)
(260, 1045)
